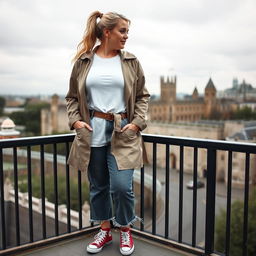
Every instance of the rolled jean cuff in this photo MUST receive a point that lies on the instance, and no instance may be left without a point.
(99, 221)
(136, 218)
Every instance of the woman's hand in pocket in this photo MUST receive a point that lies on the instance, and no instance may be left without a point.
(131, 126)
(81, 124)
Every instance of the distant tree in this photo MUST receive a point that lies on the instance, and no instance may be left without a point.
(61, 147)
(244, 113)
(31, 117)
(2, 105)
(49, 189)
(236, 228)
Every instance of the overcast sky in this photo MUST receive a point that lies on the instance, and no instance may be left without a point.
(192, 39)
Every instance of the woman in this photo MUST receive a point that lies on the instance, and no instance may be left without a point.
(107, 102)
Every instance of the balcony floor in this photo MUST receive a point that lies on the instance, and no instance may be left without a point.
(76, 246)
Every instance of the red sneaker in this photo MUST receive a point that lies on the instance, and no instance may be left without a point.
(126, 242)
(100, 240)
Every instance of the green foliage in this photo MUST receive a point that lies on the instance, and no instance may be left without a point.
(30, 118)
(244, 113)
(236, 228)
(61, 147)
(2, 105)
(35, 107)
(49, 189)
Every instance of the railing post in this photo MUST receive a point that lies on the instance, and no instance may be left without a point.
(142, 210)
(2, 206)
(154, 190)
(42, 172)
(210, 201)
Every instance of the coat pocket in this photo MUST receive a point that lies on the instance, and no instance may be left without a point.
(80, 150)
(129, 134)
(126, 147)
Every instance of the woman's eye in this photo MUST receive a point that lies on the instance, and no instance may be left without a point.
(124, 31)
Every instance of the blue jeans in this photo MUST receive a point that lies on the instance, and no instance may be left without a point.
(111, 190)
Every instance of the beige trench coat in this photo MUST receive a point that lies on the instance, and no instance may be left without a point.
(125, 146)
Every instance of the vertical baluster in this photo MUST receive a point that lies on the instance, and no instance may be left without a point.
(80, 199)
(154, 190)
(31, 232)
(210, 201)
(42, 172)
(55, 177)
(68, 189)
(2, 200)
(142, 175)
(194, 217)
(16, 189)
(246, 200)
(167, 188)
(181, 193)
(228, 216)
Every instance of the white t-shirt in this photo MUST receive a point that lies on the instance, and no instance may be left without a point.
(105, 93)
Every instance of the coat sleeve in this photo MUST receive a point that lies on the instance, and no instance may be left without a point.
(72, 100)
(141, 100)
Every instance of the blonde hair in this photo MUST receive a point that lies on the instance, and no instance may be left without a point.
(94, 30)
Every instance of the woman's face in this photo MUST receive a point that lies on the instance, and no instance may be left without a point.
(118, 35)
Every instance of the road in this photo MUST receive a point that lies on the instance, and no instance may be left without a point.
(187, 206)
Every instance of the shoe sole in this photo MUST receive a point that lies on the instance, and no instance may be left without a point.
(90, 250)
(127, 253)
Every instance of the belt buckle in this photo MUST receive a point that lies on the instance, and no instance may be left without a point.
(111, 116)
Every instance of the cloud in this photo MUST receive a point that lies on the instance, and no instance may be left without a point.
(193, 39)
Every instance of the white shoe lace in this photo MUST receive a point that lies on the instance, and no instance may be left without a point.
(100, 237)
(125, 237)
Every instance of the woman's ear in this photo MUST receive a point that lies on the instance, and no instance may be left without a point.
(106, 32)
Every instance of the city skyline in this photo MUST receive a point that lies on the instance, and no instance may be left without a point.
(194, 40)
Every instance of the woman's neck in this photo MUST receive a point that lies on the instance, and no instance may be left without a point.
(104, 52)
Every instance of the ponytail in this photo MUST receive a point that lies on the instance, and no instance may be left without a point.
(90, 37)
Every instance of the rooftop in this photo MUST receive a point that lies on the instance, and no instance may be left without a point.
(77, 247)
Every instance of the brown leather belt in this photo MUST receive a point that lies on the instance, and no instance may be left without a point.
(107, 116)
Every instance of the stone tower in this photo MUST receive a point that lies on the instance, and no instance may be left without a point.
(168, 89)
(54, 112)
(195, 94)
(209, 97)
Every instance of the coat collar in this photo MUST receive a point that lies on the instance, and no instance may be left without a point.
(123, 54)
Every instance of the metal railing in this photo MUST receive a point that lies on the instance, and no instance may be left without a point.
(211, 146)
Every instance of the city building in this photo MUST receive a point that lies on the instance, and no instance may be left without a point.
(242, 92)
(192, 108)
